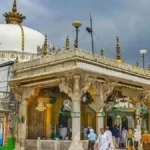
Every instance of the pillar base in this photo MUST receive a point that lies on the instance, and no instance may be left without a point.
(76, 145)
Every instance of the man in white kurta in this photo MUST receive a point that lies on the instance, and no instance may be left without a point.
(102, 142)
(109, 136)
(124, 137)
(63, 133)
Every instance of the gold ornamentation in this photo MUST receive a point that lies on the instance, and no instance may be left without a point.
(102, 52)
(40, 106)
(14, 17)
(35, 120)
(45, 46)
(137, 63)
(87, 57)
(67, 43)
(22, 35)
(118, 53)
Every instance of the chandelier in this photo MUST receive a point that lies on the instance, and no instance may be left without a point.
(40, 106)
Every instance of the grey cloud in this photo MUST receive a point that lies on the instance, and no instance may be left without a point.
(128, 19)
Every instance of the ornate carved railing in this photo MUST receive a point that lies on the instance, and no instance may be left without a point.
(51, 144)
(85, 56)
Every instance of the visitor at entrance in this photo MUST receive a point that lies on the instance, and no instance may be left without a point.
(63, 132)
(85, 133)
(130, 140)
(137, 138)
(92, 138)
(109, 136)
(123, 137)
(102, 141)
(116, 134)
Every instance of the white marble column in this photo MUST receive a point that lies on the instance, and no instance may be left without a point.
(99, 122)
(76, 122)
(74, 88)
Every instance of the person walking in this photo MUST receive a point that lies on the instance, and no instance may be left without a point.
(137, 138)
(102, 142)
(124, 137)
(116, 134)
(110, 138)
(91, 138)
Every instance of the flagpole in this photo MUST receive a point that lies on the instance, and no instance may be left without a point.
(91, 25)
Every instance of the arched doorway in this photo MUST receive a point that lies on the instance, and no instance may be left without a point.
(125, 122)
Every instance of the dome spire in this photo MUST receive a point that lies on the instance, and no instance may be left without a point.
(45, 46)
(118, 52)
(67, 43)
(14, 17)
(102, 52)
(14, 9)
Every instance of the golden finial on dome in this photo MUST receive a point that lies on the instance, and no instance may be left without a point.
(137, 63)
(118, 53)
(45, 46)
(67, 43)
(102, 52)
(14, 17)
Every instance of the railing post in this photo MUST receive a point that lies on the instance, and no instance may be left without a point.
(38, 144)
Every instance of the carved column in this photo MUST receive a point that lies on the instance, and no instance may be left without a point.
(75, 87)
(98, 105)
(102, 90)
(99, 121)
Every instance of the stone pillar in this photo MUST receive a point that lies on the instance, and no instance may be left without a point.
(76, 122)
(99, 122)
(74, 87)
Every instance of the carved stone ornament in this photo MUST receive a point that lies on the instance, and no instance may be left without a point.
(75, 87)
(17, 90)
(98, 102)
(108, 89)
(146, 95)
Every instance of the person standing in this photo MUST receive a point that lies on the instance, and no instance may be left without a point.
(85, 133)
(109, 136)
(116, 134)
(102, 142)
(124, 137)
(92, 138)
(63, 132)
(137, 138)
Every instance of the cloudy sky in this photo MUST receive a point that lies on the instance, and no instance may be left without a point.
(129, 19)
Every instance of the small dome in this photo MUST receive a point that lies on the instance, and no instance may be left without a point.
(14, 37)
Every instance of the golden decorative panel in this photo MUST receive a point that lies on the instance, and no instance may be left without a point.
(35, 121)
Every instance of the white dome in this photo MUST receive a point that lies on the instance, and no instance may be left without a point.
(11, 38)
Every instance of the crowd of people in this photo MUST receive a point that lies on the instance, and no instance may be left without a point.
(110, 139)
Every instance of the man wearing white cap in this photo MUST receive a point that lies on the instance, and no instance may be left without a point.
(102, 142)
